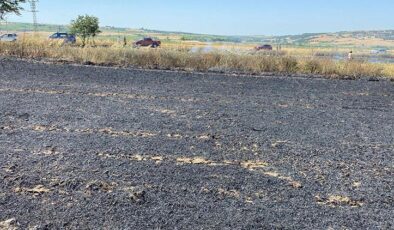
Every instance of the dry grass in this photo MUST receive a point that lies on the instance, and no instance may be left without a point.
(349, 39)
(180, 57)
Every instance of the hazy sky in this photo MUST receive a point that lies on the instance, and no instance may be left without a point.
(227, 17)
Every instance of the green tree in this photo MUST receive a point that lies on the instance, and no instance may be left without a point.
(85, 27)
(10, 6)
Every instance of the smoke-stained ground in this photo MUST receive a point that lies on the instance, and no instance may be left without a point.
(87, 147)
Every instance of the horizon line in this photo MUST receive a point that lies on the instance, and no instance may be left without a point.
(194, 33)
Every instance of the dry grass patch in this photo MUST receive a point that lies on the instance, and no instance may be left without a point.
(37, 190)
(196, 160)
(183, 59)
(338, 200)
(10, 224)
(251, 165)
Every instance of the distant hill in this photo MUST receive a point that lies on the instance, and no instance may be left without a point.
(380, 38)
(26, 27)
(383, 38)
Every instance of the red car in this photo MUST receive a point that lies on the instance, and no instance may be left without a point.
(148, 42)
(264, 47)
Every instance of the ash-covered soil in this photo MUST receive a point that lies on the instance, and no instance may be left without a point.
(91, 148)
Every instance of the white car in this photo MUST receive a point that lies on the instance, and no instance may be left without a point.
(8, 37)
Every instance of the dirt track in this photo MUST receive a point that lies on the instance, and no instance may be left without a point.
(85, 147)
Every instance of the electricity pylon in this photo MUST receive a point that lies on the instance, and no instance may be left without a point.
(33, 10)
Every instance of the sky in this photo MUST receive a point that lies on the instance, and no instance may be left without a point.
(224, 17)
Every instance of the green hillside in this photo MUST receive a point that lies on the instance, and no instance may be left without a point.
(383, 38)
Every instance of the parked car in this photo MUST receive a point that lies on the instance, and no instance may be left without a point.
(8, 37)
(148, 42)
(67, 38)
(379, 51)
(263, 47)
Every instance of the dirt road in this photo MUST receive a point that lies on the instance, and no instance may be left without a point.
(87, 147)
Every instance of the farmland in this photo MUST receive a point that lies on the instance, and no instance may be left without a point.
(196, 115)
(181, 57)
(355, 39)
(322, 54)
(90, 147)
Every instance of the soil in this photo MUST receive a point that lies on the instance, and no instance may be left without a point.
(85, 147)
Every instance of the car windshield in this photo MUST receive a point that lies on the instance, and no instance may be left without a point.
(59, 35)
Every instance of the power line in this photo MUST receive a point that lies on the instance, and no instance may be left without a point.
(33, 10)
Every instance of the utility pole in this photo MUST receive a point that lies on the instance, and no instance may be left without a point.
(33, 10)
(6, 24)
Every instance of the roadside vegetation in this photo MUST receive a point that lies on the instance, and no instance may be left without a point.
(182, 58)
(10, 7)
(188, 52)
(86, 27)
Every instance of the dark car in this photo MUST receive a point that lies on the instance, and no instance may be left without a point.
(148, 42)
(263, 47)
(67, 38)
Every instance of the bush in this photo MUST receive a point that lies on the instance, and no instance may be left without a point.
(288, 65)
(313, 67)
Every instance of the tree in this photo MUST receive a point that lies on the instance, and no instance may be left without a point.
(85, 27)
(10, 6)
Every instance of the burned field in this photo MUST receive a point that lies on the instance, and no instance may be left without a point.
(86, 147)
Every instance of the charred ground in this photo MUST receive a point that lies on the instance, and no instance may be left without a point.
(87, 147)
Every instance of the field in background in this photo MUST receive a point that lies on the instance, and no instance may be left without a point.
(305, 54)
(362, 42)
(183, 58)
